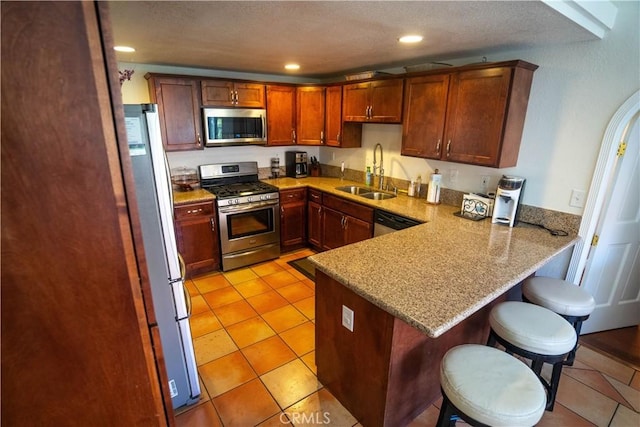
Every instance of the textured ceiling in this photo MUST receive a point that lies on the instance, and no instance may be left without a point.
(330, 38)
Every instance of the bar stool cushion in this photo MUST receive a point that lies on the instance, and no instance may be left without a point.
(532, 328)
(491, 386)
(558, 295)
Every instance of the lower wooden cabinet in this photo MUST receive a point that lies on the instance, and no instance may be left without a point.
(344, 222)
(293, 212)
(197, 237)
(314, 219)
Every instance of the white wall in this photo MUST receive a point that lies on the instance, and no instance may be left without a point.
(576, 90)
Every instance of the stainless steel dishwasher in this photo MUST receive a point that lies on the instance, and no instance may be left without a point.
(385, 222)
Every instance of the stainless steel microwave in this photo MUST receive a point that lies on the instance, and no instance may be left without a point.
(235, 126)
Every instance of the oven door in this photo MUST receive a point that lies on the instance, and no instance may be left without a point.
(248, 226)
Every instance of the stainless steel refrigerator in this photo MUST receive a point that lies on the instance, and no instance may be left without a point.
(155, 204)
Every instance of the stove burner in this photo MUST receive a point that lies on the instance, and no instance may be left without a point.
(241, 189)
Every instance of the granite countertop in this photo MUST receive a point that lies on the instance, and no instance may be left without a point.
(436, 274)
(194, 196)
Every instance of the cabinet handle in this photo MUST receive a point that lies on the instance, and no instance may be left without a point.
(438, 145)
(231, 97)
(448, 148)
(195, 211)
(370, 111)
(338, 137)
(199, 139)
(321, 137)
(293, 133)
(290, 196)
(346, 222)
(213, 224)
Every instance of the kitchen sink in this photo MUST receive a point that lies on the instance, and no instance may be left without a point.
(354, 189)
(376, 195)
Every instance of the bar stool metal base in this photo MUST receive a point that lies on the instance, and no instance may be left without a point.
(537, 362)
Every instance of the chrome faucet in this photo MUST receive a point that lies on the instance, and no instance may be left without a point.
(381, 181)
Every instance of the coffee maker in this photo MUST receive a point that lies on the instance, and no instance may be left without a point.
(507, 201)
(296, 163)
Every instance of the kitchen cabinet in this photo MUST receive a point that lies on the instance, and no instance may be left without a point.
(310, 108)
(314, 219)
(344, 222)
(197, 237)
(425, 106)
(293, 206)
(221, 93)
(338, 133)
(378, 101)
(178, 100)
(485, 112)
(281, 115)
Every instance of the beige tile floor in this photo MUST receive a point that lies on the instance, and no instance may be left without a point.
(254, 341)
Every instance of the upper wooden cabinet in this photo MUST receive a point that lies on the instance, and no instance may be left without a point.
(281, 115)
(337, 133)
(425, 105)
(485, 112)
(378, 101)
(220, 93)
(178, 102)
(310, 118)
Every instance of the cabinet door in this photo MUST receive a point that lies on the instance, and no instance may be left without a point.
(476, 114)
(293, 217)
(217, 93)
(281, 115)
(356, 230)
(178, 102)
(425, 106)
(249, 95)
(337, 134)
(386, 101)
(197, 237)
(355, 105)
(332, 229)
(310, 104)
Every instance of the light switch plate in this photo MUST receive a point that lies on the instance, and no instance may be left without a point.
(347, 318)
(578, 198)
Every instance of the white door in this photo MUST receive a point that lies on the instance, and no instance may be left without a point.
(612, 272)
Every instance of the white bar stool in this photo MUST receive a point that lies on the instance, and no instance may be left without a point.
(535, 333)
(486, 387)
(568, 300)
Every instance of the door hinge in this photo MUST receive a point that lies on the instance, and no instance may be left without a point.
(622, 148)
(594, 240)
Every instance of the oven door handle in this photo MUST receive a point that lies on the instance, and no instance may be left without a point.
(251, 206)
(248, 252)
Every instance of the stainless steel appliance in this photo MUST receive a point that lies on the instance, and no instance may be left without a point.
(507, 201)
(386, 222)
(155, 204)
(248, 213)
(235, 126)
(296, 163)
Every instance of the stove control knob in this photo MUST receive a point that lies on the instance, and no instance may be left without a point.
(249, 199)
(236, 201)
(264, 197)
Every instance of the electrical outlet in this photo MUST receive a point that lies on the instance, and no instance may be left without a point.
(347, 318)
(578, 198)
(484, 181)
(453, 176)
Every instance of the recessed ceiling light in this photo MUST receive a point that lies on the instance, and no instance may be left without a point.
(410, 39)
(292, 67)
(123, 49)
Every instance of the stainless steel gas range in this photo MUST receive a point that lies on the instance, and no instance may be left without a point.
(248, 213)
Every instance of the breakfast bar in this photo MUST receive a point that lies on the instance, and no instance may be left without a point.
(388, 308)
